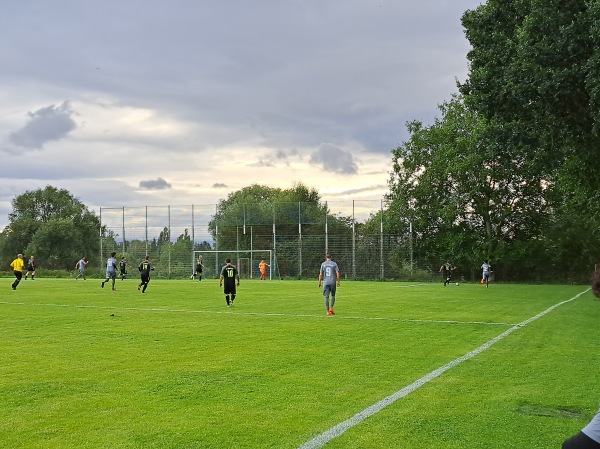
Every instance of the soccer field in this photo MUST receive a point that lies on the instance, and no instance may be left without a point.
(399, 366)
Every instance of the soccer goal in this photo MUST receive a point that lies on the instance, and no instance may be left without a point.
(245, 260)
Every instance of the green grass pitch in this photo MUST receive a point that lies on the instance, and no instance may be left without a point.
(85, 367)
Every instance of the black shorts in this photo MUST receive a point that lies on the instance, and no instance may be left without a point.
(580, 441)
(145, 278)
(229, 288)
(30, 268)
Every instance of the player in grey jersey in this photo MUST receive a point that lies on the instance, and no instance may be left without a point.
(329, 278)
(111, 270)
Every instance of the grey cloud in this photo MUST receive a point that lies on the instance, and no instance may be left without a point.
(262, 162)
(285, 154)
(372, 188)
(157, 184)
(219, 185)
(332, 158)
(45, 125)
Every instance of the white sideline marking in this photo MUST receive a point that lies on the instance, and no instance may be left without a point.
(339, 429)
(216, 312)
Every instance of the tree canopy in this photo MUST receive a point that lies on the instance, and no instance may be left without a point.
(52, 225)
(259, 205)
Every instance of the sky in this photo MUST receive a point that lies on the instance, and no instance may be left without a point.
(154, 103)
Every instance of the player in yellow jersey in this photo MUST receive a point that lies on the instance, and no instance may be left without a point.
(17, 265)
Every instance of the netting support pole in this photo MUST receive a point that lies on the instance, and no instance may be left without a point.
(146, 228)
(124, 248)
(410, 245)
(100, 236)
(381, 243)
(193, 242)
(353, 243)
(169, 222)
(274, 232)
(217, 272)
(299, 242)
(326, 231)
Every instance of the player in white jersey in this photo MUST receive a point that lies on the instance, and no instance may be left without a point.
(111, 270)
(486, 272)
(589, 437)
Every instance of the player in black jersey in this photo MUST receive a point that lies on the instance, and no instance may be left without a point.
(123, 267)
(145, 267)
(229, 275)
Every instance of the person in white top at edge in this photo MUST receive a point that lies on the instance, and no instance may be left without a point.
(589, 437)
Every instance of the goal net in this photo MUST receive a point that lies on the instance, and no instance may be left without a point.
(246, 261)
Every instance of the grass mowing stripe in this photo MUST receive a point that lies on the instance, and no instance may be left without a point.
(339, 429)
(213, 312)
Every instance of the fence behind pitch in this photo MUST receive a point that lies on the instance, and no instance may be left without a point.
(298, 235)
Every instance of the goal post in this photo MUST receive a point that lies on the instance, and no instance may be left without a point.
(246, 261)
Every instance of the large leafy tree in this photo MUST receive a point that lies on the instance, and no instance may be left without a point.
(260, 206)
(534, 62)
(535, 72)
(53, 225)
(468, 197)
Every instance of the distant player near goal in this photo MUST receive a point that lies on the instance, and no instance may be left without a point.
(199, 269)
(329, 277)
(262, 266)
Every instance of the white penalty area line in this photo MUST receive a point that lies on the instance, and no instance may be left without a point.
(336, 431)
(259, 314)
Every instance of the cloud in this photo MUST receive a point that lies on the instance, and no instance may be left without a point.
(262, 162)
(219, 185)
(358, 191)
(157, 184)
(332, 158)
(45, 125)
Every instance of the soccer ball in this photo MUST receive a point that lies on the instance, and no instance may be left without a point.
(457, 284)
